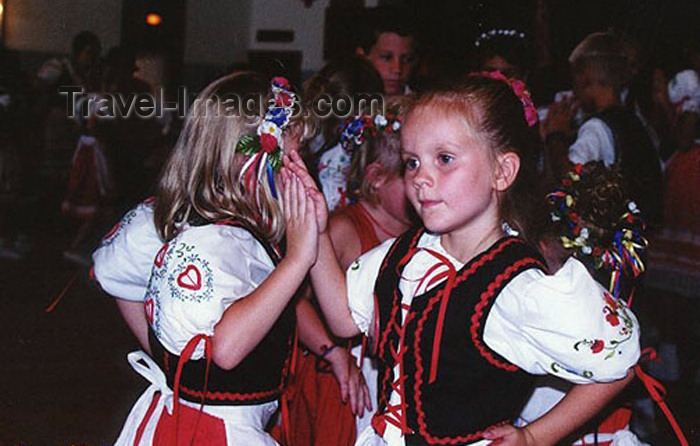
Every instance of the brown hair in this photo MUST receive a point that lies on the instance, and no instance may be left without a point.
(200, 180)
(493, 113)
(346, 76)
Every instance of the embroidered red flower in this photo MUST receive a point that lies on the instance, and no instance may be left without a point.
(597, 346)
(268, 142)
(612, 319)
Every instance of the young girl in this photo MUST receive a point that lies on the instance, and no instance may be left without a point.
(345, 77)
(606, 233)
(217, 303)
(379, 210)
(460, 311)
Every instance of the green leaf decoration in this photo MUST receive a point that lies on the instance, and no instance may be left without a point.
(248, 145)
(275, 159)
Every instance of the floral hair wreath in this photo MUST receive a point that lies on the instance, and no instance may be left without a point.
(356, 130)
(623, 253)
(496, 32)
(266, 147)
(520, 90)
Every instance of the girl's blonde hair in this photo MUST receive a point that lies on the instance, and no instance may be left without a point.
(200, 181)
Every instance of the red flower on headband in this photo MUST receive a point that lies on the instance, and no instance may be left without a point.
(281, 81)
(268, 142)
(520, 90)
(283, 99)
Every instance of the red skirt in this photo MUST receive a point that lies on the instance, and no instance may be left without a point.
(317, 414)
(88, 181)
(674, 254)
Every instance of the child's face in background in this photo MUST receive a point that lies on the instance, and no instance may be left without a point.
(497, 63)
(392, 196)
(586, 89)
(393, 57)
(449, 174)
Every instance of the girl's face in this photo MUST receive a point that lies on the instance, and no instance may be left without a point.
(497, 63)
(292, 140)
(449, 174)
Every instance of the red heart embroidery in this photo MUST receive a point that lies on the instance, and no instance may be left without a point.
(191, 278)
(149, 310)
(161, 255)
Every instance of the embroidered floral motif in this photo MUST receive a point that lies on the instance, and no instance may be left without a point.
(153, 313)
(616, 315)
(597, 346)
(160, 257)
(192, 278)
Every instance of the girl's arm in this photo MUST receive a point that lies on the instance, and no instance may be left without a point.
(327, 278)
(579, 405)
(245, 323)
(313, 334)
(134, 315)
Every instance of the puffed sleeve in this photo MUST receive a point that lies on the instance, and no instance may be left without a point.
(201, 273)
(122, 262)
(361, 277)
(594, 142)
(565, 324)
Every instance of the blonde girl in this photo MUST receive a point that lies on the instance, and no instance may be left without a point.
(217, 304)
(461, 311)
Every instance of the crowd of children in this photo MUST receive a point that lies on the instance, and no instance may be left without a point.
(453, 267)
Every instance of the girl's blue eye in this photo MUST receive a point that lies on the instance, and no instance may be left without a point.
(445, 159)
(410, 164)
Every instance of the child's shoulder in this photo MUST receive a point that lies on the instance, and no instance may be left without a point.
(569, 282)
(223, 241)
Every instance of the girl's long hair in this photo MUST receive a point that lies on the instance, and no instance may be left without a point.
(200, 181)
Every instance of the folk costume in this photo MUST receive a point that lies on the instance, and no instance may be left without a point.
(457, 344)
(195, 277)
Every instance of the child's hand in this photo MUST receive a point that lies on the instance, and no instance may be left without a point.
(559, 117)
(295, 164)
(507, 435)
(351, 382)
(300, 219)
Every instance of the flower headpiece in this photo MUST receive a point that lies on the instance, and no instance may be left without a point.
(520, 90)
(356, 130)
(619, 255)
(266, 147)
